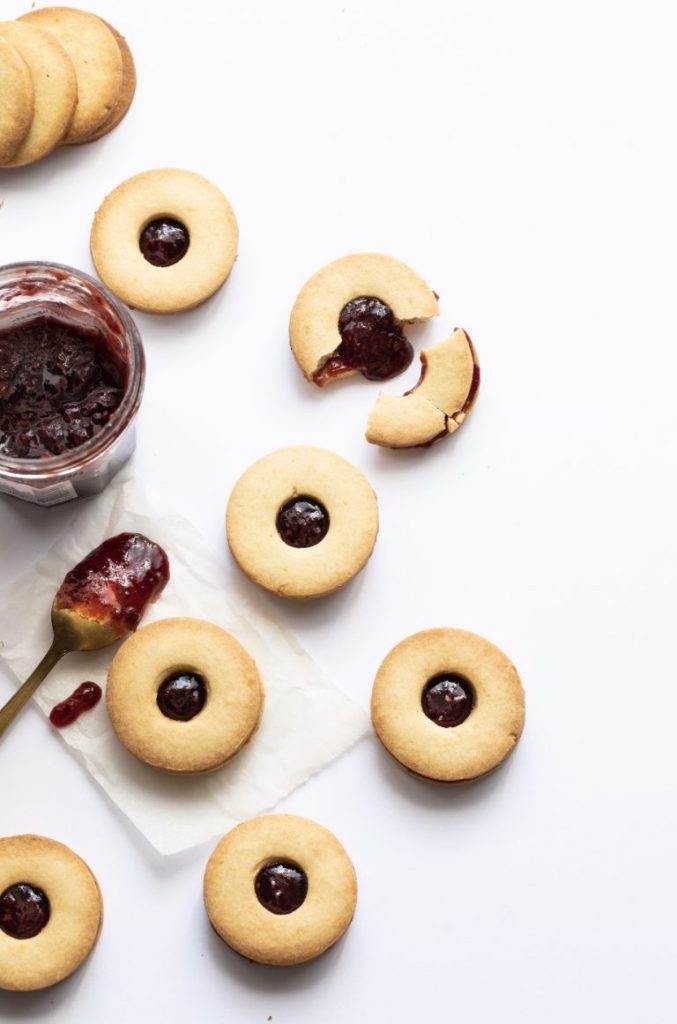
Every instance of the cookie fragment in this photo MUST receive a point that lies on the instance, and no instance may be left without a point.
(17, 101)
(97, 61)
(437, 405)
(314, 333)
(54, 85)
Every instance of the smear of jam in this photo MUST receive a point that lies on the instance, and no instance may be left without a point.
(447, 699)
(85, 697)
(164, 241)
(371, 342)
(24, 911)
(116, 582)
(59, 386)
(182, 696)
(302, 522)
(281, 887)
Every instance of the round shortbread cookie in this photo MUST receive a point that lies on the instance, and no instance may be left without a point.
(50, 912)
(314, 332)
(55, 87)
(96, 59)
(437, 405)
(17, 101)
(154, 197)
(302, 521)
(280, 889)
(447, 705)
(198, 674)
(126, 94)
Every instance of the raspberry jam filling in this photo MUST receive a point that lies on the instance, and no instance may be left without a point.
(85, 697)
(371, 342)
(447, 699)
(182, 696)
(302, 522)
(164, 241)
(116, 582)
(24, 911)
(59, 386)
(281, 887)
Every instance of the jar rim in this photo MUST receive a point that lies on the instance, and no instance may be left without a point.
(53, 466)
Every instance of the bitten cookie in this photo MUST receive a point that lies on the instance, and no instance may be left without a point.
(126, 94)
(96, 58)
(50, 912)
(164, 240)
(16, 101)
(184, 695)
(280, 889)
(302, 521)
(437, 405)
(349, 317)
(447, 705)
(54, 84)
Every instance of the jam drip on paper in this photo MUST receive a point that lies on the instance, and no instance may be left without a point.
(371, 342)
(182, 696)
(164, 241)
(281, 887)
(59, 386)
(116, 582)
(24, 911)
(447, 700)
(302, 522)
(84, 698)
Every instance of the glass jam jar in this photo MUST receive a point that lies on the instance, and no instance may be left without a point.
(47, 300)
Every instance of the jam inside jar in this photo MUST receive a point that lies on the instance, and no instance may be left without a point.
(72, 372)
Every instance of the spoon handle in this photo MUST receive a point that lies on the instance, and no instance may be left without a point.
(14, 705)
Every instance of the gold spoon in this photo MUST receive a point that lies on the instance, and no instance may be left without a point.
(114, 584)
(72, 632)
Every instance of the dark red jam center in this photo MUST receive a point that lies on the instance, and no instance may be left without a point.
(115, 582)
(447, 699)
(164, 241)
(302, 522)
(281, 887)
(371, 342)
(24, 911)
(59, 386)
(85, 697)
(182, 696)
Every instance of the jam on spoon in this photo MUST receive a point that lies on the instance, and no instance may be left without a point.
(371, 342)
(281, 887)
(114, 584)
(85, 697)
(100, 601)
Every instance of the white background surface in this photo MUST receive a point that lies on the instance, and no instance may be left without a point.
(522, 158)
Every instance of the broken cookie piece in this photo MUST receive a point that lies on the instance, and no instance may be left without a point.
(348, 317)
(437, 405)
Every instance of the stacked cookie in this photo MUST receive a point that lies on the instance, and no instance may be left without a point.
(66, 77)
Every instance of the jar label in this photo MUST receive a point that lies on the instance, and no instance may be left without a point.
(53, 494)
